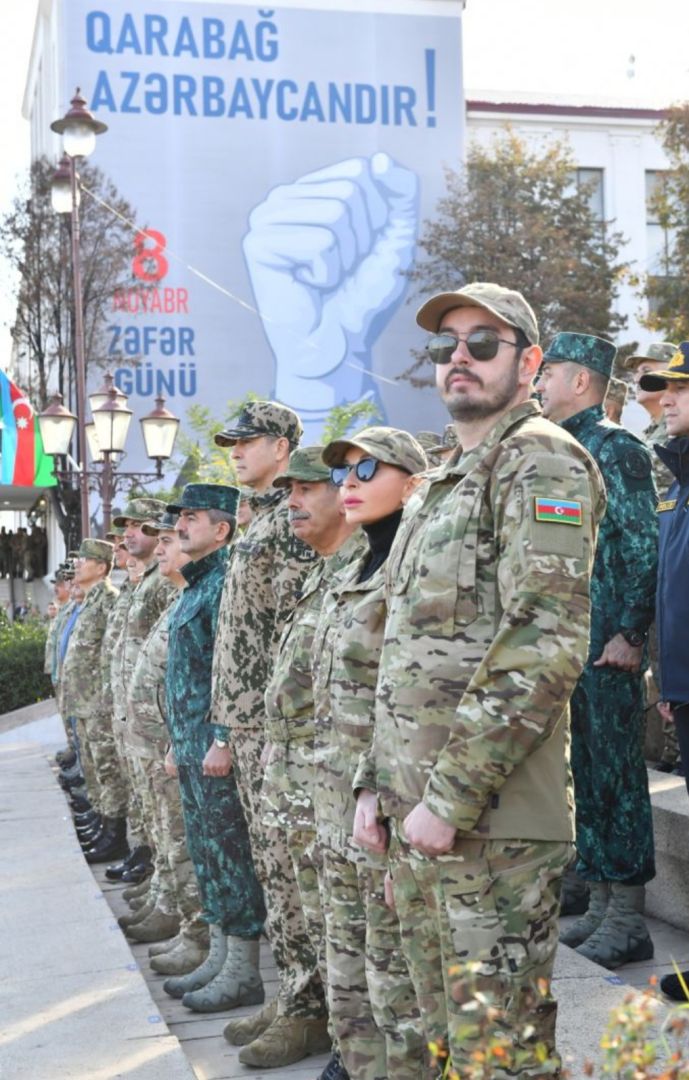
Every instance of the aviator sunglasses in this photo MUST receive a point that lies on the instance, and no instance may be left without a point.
(364, 470)
(481, 345)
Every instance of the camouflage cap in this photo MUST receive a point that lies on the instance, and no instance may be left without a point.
(591, 352)
(387, 444)
(658, 352)
(305, 464)
(448, 440)
(677, 369)
(263, 418)
(165, 523)
(617, 391)
(142, 509)
(207, 497)
(115, 533)
(96, 549)
(505, 304)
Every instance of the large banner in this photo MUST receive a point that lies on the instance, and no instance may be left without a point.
(282, 161)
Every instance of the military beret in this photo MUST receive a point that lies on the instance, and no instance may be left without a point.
(142, 509)
(387, 444)
(591, 352)
(91, 548)
(505, 304)
(304, 464)
(677, 369)
(263, 418)
(207, 497)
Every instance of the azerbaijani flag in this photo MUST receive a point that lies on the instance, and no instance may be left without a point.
(562, 511)
(22, 461)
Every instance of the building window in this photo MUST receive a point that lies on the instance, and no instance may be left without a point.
(592, 180)
(659, 235)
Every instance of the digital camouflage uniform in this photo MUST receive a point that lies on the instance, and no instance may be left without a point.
(614, 823)
(82, 697)
(114, 705)
(372, 1002)
(217, 835)
(487, 632)
(265, 575)
(174, 882)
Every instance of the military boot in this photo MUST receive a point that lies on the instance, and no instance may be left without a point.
(583, 928)
(125, 921)
(244, 1031)
(86, 818)
(574, 899)
(65, 758)
(158, 926)
(205, 972)
(622, 937)
(237, 983)
(112, 845)
(185, 957)
(134, 892)
(79, 803)
(195, 931)
(139, 854)
(288, 1039)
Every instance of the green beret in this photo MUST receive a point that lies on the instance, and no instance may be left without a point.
(304, 464)
(591, 352)
(207, 497)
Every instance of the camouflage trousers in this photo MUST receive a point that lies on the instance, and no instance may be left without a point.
(112, 788)
(300, 990)
(307, 865)
(614, 822)
(372, 1003)
(174, 881)
(218, 843)
(135, 820)
(88, 765)
(480, 927)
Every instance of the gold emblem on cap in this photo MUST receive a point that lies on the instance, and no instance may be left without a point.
(677, 359)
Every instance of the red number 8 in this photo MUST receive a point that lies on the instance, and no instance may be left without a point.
(145, 256)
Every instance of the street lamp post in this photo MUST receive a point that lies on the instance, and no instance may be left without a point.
(79, 129)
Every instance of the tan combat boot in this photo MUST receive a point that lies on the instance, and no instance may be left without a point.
(242, 1032)
(158, 926)
(187, 956)
(582, 929)
(288, 1039)
(177, 987)
(237, 983)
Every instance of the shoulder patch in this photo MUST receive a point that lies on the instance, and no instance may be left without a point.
(558, 511)
(635, 463)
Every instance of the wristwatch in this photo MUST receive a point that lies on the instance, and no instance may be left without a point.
(633, 637)
(221, 744)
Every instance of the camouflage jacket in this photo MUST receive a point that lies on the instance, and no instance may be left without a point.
(264, 577)
(51, 643)
(624, 573)
(146, 731)
(82, 687)
(192, 628)
(290, 725)
(656, 435)
(112, 643)
(58, 626)
(487, 633)
(346, 652)
(148, 601)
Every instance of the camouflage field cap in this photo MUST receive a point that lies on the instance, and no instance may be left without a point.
(591, 352)
(617, 392)
(115, 533)
(659, 352)
(207, 497)
(448, 441)
(263, 418)
(387, 444)
(96, 549)
(677, 369)
(165, 523)
(305, 464)
(142, 509)
(505, 304)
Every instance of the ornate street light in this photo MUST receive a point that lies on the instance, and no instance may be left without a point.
(56, 425)
(78, 128)
(112, 422)
(102, 394)
(97, 457)
(159, 430)
(61, 187)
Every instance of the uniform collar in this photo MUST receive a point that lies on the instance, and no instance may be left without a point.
(194, 571)
(461, 465)
(581, 420)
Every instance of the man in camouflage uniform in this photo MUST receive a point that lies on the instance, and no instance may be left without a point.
(265, 575)
(217, 835)
(316, 517)
(486, 635)
(60, 585)
(82, 691)
(613, 808)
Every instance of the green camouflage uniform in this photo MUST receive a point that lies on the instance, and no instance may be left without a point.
(614, 822)
(265, 574)
(373, 1007)
(656, 432)
(486, 635)
(174, 882)
(82, 697)
(111, 660)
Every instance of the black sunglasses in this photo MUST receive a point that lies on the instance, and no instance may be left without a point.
(364, 470)
(481, 345)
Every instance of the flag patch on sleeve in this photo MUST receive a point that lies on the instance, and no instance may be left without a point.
(561, 511)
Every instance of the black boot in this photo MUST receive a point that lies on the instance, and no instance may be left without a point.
(671, 986)
(86, 817)
(89, 840)
(89, 833)
(140, 854)
(112, 845)
(335, 1069)
(79, 804)
(65, 759)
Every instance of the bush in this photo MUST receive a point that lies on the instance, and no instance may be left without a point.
(22, 649)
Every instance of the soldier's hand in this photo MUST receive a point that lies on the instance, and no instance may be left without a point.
(218, 761)
(427, 833)
(665, 710)
(389, 894)
(618, 653)
(368, 832)
(170, 764)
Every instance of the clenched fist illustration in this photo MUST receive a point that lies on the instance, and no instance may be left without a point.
(326, 256)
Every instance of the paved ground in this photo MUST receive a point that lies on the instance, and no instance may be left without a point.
(78, 1002)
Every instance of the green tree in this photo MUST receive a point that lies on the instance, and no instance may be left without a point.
(515, 215)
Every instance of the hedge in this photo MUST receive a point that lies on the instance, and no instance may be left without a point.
(22, 649)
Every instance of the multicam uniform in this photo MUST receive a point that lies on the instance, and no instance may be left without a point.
(266, 572)
(372, 1002)
(656, 434)
(486, 635)
(114, 704)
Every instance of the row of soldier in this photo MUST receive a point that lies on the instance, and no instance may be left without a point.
(23, 554)
(340, 715)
